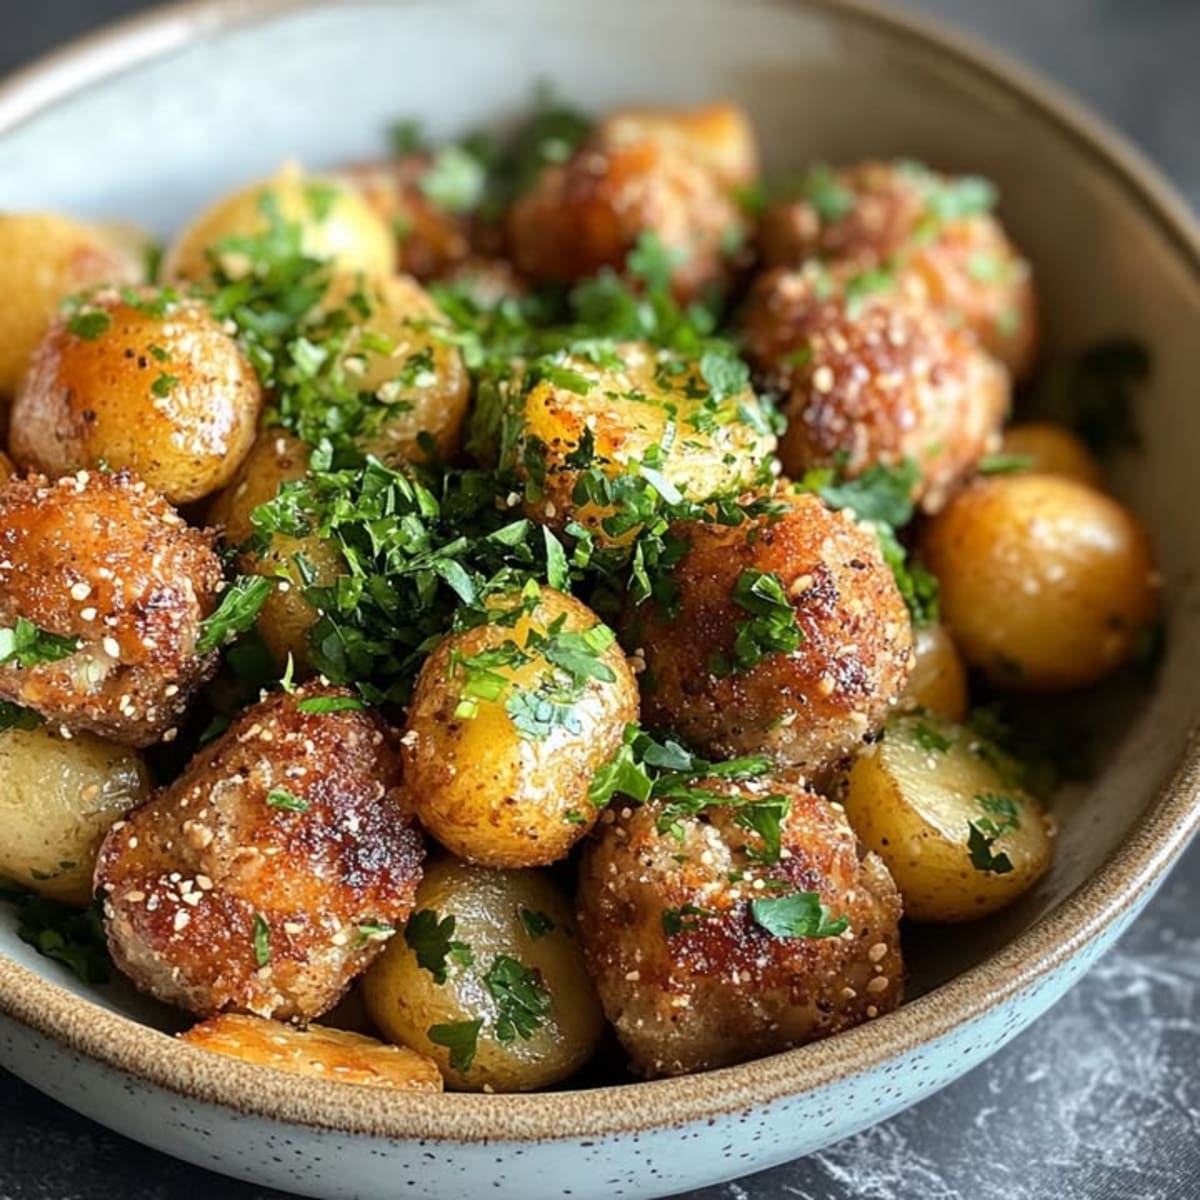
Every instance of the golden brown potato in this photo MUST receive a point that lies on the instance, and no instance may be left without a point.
(286, 617)
(941, 808)
(811, 583)
(1052, 450)
(1045, 584)
(489, 980)
(938, 682)
(58, 797)
(502, 742)
(589, 213)
(317, 1052)
(643, 406)
(873, 378)
(103, 589)
(719, 136)
(936, 232)
(272, 871)
(336, 224)
(43, 259)
(418, 379)
(706, 955)
(143, 380)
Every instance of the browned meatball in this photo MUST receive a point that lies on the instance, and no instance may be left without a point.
(807, 707)
(270, 873)
(873, 377)
(146, 380)
(674, 916)
(101, 561)
(590, 212)
(936, 231)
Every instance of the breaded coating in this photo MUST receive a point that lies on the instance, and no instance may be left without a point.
(808, 708)
(103, 560)
(873, 378)
(317, 1052)
(688, 975)
(272, 872)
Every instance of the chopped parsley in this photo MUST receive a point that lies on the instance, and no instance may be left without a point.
(770, 629)
(89, 323)
(164, 385)
(278, 798)
(71, 936)
(455, 180)
(1004, 464)
(461, 1038)
(261, 940)
(322, 705)
(1004, 815)
(432, 940)
(798, 915)
(537, 924)
(928, 737)
(522, 1002)
(14, 716)
(25, 645)
(830, 198)
(238, 610)
(685, 919)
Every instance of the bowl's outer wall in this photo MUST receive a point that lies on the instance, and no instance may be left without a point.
(162, 138)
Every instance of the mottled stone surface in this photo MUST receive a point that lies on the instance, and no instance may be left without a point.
(1101, 1098)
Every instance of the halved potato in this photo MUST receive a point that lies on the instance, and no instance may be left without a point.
(318, 1052)
(942, 808)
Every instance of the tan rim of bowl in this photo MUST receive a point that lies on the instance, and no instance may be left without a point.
(1157, 839)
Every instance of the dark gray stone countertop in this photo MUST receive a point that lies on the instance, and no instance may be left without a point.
(1100, 1100)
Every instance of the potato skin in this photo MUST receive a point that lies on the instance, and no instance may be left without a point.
(1052, 450)
(938, 681)
(722, 989)
(318, 1052)
(1045, 583)
(422, 379)
(207, 868)
(719, 136)
(588, 213)
(485, 791)
(44, 258)
(964, 266)
(807, 709)
(876, 379)
(58, 797)
(337, 226)
(166, 393)
(276, 458)
(405, 1000)
(102, 559)
(912, 798)
(626, 412)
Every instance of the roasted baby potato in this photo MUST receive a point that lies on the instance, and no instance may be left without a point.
(718, 136)
(272, 871)
(395, 354)
(935, 233)
(572, 417)
(712, 942)
(103, 589)
(938, 681)
(58, 797)
(1046, 584)
(146, 380)
(489, 980)
(45, 258)
(1050, 449)
(871, 377)
(286, 617)
(337, 226)
(508, 725)
(591, 211)
(940, 806)
(317, 1052)
(785, 636)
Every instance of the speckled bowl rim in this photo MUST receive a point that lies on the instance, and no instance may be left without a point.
(1155, 842)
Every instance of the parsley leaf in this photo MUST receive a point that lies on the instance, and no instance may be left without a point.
(13, 716)
(262, 940)
(432, 941)
(685, 919)
(522, 1002)
(236, 613)
(278, 798)
(89, 323)
(771, 628)
(28, 646)
(537, 924)
(461, 1038)
(71, 936)
(799, 915)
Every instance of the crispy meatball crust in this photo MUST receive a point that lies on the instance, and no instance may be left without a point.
(687, 976)
(102, 559)
(263, 880)
(888, 215)
(589, 212)
(163, 390)
(807, 709)
(870, 379)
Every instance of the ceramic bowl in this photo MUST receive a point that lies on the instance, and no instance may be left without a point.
(157, 116)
